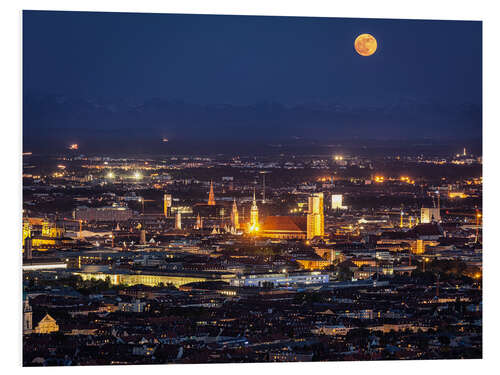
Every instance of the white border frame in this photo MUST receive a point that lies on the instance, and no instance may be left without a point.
(11, 74)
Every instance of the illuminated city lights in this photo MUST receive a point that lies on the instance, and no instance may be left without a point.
(294, 240)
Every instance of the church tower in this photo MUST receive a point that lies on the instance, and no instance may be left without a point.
(199, 222)
(27, 317)
(315, 217)
(235, 221)
(254, 215)
(211, 197)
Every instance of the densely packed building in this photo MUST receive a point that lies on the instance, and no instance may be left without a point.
(196, 259)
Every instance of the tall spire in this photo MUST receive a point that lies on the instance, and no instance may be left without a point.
(211, 198)
(254, 215)
(235, 222)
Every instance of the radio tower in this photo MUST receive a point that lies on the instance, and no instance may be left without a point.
(263, 173)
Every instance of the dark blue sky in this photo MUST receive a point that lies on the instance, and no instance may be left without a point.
(128, 59)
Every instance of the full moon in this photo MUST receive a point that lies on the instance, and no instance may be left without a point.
(365, 44)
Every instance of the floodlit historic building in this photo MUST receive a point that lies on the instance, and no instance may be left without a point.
(315, 216)
(254, 216)
(284, 227)
(47, 325)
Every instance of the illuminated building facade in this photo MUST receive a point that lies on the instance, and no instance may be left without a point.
(429, 215)
(315, 216)
(199, 222)
(254, 215)
(43, 234)
(150, 279)
(359, 262)
(47, 325)
(313, 264)
(178, 220)
(457, 194)
(235, 221)
(280, 279)
(50, 230)
(42, 226)
(419, 246)
(26, 230)
(284, 227)
(337, 202)
(211, 196)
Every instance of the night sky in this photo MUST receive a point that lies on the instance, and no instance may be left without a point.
(94, 75)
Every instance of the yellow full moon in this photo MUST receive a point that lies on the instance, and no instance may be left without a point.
(365, 44)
